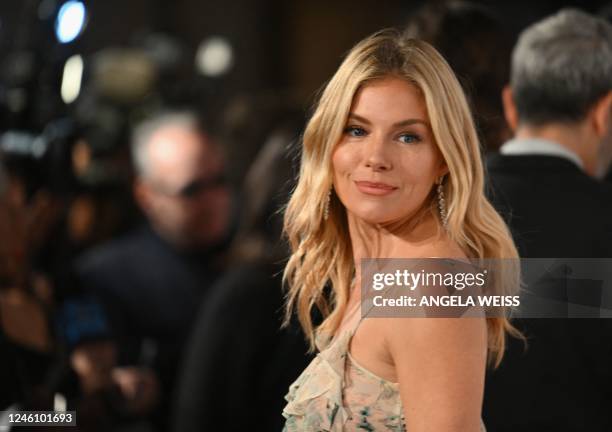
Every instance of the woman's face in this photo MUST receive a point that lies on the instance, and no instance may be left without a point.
(386, 162)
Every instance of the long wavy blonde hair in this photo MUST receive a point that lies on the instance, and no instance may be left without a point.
(321, 248)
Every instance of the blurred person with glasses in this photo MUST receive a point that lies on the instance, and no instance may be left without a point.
(152, 280)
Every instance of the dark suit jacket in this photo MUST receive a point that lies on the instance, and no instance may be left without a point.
(151, 293)
(563, 380)
(239, 363)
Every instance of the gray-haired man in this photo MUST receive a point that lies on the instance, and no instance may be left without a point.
(545, 182)
(152, 280)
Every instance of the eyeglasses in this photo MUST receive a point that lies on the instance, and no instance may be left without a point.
(193, 188)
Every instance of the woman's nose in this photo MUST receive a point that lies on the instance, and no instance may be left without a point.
(377, 155)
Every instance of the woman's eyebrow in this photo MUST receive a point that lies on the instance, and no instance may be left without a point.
(358, 118)
(409, 122)
(401, 123)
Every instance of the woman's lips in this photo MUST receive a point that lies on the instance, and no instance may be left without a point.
(374, 188)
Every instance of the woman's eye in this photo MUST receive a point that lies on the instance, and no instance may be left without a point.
(355, 131)
(409, 138)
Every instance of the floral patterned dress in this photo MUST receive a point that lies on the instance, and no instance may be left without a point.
(334, 393)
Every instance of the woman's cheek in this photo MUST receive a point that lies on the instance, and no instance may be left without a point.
(342, 164)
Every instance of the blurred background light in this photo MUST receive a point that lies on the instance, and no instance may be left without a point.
(214, 56)
(70, 21)
(122, 74)
(71, 79)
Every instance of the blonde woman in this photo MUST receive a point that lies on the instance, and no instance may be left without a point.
(390, 168)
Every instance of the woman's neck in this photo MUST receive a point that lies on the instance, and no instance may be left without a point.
(395, 240)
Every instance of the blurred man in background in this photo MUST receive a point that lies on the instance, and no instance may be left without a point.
(152, 281)
(545, 182)
(180, 182)
(239, 358)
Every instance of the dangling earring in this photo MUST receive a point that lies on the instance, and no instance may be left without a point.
(326, 209)
(442, 203)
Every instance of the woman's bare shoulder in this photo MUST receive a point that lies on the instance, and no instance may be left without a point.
(434, 335)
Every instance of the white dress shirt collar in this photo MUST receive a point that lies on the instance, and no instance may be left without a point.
(538, 146)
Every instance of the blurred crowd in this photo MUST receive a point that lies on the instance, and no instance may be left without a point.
(141, 253)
